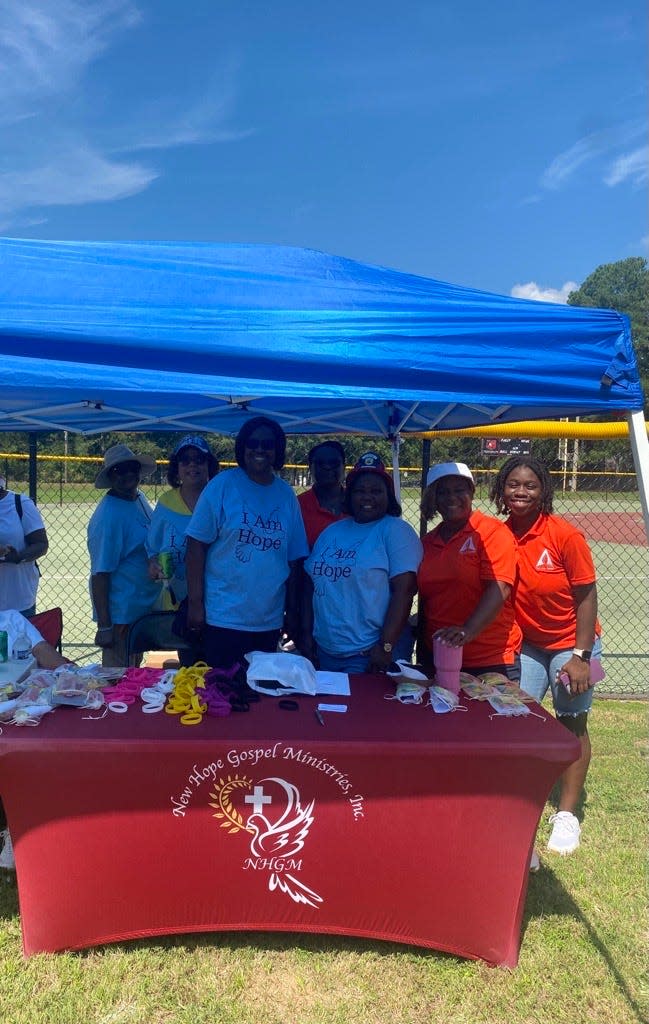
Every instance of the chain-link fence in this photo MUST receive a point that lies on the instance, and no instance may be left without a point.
(605, 505)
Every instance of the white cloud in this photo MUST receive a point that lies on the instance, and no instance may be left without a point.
(565, 164)
(631, 165)
(168, 122)
(532, 290)
(52, 153)
(45, 45)
(74, 177)
(614, 145)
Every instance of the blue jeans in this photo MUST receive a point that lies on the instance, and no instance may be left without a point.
(356, 664)
(539, 667)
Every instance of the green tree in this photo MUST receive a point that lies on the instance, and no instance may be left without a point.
(623, 286)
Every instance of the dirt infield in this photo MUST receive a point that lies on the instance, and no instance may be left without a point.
(614, 527)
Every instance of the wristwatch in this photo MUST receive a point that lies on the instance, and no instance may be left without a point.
(387, 647)
(584, 655)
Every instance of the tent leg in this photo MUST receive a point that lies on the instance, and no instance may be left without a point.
(640, 450)
(32, 439)
(395, 441)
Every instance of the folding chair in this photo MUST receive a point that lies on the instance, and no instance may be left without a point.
(152, 632)
(50, 625)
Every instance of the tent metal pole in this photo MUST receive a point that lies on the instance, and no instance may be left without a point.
(425, 466)
(396, 475)
(32, 438)
(640, 450)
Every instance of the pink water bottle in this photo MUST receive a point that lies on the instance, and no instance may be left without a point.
(448, 664)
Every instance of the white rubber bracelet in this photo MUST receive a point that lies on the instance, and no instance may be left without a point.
(152, 696)
(118, 706)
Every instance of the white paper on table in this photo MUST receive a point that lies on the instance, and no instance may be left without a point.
(333, 683)
(332, 707)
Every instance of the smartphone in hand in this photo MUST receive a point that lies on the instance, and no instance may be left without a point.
(597, 673)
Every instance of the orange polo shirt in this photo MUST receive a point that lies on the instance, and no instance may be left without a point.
(451, 580)
(315, 517)
(553, 556)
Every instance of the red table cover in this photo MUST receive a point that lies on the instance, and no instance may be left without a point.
(391, 822)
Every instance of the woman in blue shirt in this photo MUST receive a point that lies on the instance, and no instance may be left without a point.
(244, 544)
(191, 466)
(363, 577)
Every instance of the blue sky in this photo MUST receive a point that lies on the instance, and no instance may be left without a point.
(500, 146)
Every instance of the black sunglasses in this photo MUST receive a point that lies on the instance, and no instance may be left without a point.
(266, 444)
(126, 467)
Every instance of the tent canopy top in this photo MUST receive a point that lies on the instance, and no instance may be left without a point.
(99, 336)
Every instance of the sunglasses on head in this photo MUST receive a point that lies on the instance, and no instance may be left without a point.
(126, 467)
(266, 444)
(188, 457)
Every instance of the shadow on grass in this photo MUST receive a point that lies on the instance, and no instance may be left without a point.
(8, 895)
(555, 793)
(547, 896)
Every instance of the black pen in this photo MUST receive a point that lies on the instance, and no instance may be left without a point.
(319, 716)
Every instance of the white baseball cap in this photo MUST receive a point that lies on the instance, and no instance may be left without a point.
(448, 469)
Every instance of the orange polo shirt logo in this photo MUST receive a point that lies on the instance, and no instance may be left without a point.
(545, 560)
(468, 546)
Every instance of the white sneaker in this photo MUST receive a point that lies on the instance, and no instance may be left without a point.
(535, 863)
(7, 855)
(565, 833)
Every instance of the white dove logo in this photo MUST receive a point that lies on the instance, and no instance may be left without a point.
(283, 837)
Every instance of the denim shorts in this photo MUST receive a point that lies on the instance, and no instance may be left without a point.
(539, 667)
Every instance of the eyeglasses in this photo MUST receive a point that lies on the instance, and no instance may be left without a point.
(122, 468)
(187, 458)
(254, 443)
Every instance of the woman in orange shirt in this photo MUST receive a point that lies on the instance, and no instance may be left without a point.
(466, 577)
(322, 505)
(556, 608)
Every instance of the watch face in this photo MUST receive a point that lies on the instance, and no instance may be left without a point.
(387, 648)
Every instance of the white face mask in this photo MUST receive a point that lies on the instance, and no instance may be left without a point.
(409, 692)
(504, 704)
(441, 700)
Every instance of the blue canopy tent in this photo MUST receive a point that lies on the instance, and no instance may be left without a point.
(99, 336)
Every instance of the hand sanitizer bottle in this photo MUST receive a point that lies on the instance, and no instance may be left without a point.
(22, 648)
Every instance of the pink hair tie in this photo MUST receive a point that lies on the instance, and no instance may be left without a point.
(130, 686)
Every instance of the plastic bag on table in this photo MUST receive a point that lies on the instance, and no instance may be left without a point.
(405, 670)
(77, 690)
(34, 702)
(279, 674)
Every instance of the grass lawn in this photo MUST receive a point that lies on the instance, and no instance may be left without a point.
(583, 956)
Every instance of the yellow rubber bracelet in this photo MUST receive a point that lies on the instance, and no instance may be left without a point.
(191, 718)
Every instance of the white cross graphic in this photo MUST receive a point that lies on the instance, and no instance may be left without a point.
(257, 799)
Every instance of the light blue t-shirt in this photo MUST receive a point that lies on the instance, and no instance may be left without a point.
(351, 566)
(167, 533)
(254, 531)
(116, 536)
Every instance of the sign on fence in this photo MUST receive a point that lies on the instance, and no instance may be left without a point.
(506, 445)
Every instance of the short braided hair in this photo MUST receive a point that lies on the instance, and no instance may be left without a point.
(497, 493)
